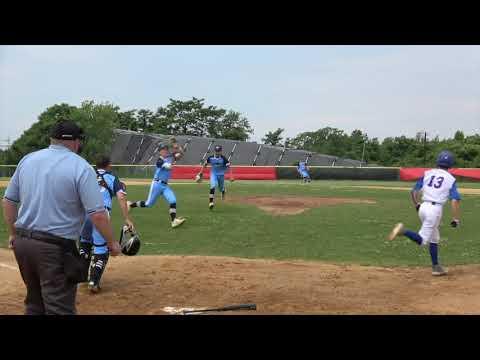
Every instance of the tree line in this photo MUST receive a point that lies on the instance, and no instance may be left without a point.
(193, 117)
(392, 151)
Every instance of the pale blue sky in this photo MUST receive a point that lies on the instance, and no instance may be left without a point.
(383, 90)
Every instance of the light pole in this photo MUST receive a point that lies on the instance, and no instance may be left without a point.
(363, 153)
(425, 150)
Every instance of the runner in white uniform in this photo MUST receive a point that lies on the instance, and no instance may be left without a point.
(438, 186)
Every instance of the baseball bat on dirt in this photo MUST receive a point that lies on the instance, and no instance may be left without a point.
(224, 308)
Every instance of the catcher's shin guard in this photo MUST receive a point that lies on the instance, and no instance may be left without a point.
(85, 250)
(99, 263)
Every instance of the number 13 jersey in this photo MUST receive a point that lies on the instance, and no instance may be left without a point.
(438, 186)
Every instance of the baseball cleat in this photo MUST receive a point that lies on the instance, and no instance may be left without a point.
(211, 205)
(177, 222)
(438, 270)
(94, 288)
(223, 196)
(397, 230)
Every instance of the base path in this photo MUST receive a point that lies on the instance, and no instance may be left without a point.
(148, 284)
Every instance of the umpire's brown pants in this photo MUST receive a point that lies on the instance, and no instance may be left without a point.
(48, 290)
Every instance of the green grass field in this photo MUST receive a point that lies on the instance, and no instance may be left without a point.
(350, 233)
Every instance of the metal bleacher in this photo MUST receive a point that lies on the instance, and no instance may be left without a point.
(196, 148)
(130, 147)
(268, 155)
(292, 156)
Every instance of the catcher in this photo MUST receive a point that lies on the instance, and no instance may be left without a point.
(93, 246)
(219, 164)
(159, 184)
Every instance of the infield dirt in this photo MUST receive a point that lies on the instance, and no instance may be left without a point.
(147, 284)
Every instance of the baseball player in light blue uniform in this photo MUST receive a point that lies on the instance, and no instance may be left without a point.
(302, 169)
(438, 186)
(219, 164)
(159, 186)
(110, 187)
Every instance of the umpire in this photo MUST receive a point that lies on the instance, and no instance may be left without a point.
(55, 190)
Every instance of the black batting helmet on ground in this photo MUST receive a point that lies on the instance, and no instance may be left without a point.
(129, 241)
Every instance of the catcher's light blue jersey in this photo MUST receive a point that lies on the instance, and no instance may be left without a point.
(109, 186)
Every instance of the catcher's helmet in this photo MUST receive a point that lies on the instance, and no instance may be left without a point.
(218, 148)
(445, 159)
(129, 241)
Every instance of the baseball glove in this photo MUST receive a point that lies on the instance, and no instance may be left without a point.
(455, 223)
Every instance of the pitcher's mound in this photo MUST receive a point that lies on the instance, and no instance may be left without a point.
(293, 205)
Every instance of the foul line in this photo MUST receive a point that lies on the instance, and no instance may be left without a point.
(8, 266)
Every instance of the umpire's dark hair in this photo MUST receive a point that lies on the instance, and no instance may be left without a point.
(103, 161)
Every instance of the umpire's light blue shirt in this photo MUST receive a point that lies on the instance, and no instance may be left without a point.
(55, 188)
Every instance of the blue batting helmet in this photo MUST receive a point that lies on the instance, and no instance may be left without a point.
(218, 148)
(445, 159)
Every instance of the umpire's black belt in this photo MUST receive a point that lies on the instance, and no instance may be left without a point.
(44, 236)
(163, 182)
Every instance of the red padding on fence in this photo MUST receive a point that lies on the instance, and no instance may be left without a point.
(238, 172)
(468, 173)
(410, 174)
